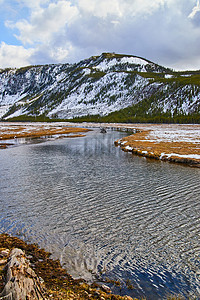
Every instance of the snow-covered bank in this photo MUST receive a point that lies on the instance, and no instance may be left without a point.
(172, 142)
(18, 130)
(168, 142)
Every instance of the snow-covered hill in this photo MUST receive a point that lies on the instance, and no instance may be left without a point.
(97, 86)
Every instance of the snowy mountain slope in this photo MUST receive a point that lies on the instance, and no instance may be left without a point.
(97, 86)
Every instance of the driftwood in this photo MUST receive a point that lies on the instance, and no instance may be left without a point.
(21, 282)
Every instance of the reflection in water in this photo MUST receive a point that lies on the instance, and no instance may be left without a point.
(106, 213)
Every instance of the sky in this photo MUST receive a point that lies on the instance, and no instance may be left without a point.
(35, 32)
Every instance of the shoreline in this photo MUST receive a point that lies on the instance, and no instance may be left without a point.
(33, 130)
(57, 283)
(140, 132)
(12, 131)
(175, 143)
(173, 152)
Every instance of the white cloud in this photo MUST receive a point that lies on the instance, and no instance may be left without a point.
(101, 8)
(53, 53)
(195, 11)
(33, 4)
(14, 56)
(187, 63)
(139, 7)
(119, 8)
(69, 30)
(45, 23)
(59, 54)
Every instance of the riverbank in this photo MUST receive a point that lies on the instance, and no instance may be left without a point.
(57, 283)
(167, 142)
(173, 143)
(32, 130)
(126, 222)
(177, 143)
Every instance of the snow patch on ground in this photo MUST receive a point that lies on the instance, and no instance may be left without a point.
(129, 148)
(84, 100)
(181, 134)
(107, 64)
(15, 114)
(87, 71)
(4, 109)
(134, 60)
(167, 76)
(195, 156)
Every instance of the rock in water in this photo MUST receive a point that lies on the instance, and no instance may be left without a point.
(103, 130)
(21, 281)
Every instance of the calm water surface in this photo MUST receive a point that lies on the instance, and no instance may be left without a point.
(106, 213)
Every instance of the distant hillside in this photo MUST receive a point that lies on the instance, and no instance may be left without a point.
(110, 87)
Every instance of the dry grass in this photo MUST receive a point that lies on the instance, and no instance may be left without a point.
(5, 145)
(73, 136)
(59, 284)
(18, 131)
(143, 144)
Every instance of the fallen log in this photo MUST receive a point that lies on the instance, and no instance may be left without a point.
(21, 282)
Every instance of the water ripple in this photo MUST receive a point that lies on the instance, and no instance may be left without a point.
(106, 213)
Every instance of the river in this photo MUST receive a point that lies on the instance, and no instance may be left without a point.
(106, 213)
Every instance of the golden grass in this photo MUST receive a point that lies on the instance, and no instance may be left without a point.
(4, 145)
(74, 136)
(59, 284)
(143, 145)
(22, 132)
